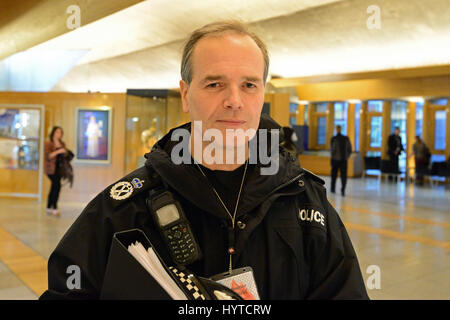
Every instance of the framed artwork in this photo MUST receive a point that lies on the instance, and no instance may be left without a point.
(93, 135)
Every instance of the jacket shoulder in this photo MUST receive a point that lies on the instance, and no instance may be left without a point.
(311, 176)
(137, 182)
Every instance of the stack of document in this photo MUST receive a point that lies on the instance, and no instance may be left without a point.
(150, 261)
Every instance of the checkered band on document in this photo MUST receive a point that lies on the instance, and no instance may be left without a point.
(190, 288)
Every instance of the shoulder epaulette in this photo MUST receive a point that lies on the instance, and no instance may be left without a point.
(313, 176)
(134, 183)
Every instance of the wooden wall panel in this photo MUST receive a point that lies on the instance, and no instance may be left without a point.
(375, 89)
(60, 110)
(351, 124)
(410, 133)
(279, 107)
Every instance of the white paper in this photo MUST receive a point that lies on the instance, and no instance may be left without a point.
(151, 263)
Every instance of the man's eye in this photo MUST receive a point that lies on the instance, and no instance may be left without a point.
(213, 85)
(250, 85)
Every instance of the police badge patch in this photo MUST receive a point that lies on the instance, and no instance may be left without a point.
(121, 190)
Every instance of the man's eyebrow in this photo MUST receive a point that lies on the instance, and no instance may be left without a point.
(212, 78)
(253, 79)
(219, 77)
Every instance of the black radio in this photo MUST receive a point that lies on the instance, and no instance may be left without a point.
(174, 228)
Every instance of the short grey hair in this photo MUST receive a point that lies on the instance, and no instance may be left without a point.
(216, 29)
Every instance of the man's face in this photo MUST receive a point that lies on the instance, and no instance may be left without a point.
(227, 87)
(397, 132)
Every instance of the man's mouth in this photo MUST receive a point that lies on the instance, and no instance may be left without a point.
(231, 122)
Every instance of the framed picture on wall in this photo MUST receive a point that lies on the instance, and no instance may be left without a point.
(93, 135)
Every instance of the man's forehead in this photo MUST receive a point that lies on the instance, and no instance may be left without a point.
(229, 47)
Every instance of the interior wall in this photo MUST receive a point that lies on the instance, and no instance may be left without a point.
(89, 179)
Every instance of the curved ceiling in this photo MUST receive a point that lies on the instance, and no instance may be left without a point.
(140, 46)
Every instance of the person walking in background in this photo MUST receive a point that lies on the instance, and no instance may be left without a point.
(395, 148)
(422, 156)
(341, 149)
(53, 151)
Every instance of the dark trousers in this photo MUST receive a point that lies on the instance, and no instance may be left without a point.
(340, 165)
(55, 188)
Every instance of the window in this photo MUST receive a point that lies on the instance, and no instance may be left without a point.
(306, 114)
(373, 154)
(375, 106)
(437, 158)
(293, 107)
(293, 113)
(439, 102)
(398, 117)
(357, 116)
(321, 130)
(322, 107)
(439, 130)
(340, 115)
(375, 131)
(419, 118)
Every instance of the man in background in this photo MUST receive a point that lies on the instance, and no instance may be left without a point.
(395, 148)
(341, 149)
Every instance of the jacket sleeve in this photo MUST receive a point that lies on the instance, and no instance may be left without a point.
(85, 246)
(335, 271)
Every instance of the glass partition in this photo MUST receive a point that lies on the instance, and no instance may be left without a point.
(146, 122)
(376, 126)
(322, 107)
(439, 129)
(419, 118)
(340, 116)
(398, 119)
(321, 130)
(21, 146)
(375, 106)
(357, 121)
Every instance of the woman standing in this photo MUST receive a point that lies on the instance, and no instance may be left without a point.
(53, 151)
(422, 159)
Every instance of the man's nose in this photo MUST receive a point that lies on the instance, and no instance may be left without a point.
(233, 98)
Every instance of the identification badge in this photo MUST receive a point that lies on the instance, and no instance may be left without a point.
(240, 281)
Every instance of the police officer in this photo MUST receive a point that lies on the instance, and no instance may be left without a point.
(281, 224)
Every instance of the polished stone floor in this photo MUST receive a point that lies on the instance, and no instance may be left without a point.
(401, 234)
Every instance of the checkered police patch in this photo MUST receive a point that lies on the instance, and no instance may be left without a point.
(189, 286)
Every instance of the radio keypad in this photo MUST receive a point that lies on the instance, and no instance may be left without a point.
(181, 242)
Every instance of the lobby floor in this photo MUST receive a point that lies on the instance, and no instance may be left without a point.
(401, 234)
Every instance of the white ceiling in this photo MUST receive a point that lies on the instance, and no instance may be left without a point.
(140, 47)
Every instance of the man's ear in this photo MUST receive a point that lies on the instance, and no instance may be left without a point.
(184, 87)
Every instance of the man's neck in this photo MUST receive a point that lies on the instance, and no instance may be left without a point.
(219, 163)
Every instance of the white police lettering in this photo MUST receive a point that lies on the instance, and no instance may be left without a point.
(311, 215)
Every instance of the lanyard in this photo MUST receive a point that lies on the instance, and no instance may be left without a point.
(231, 250)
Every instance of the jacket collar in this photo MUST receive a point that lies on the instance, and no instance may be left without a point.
(187, 180)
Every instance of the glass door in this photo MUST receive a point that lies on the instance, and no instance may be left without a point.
(375, 132)
(439, 128)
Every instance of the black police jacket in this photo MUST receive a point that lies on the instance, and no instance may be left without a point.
(289, 233)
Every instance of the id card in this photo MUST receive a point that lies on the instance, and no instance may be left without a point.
(240, 281)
